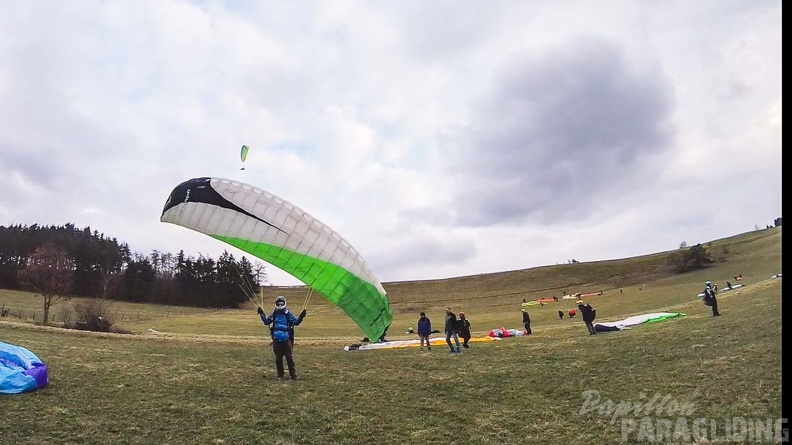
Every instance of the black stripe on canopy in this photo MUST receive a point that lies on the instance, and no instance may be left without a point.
(201, 190)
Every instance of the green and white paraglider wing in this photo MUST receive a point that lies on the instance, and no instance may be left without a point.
(285, 236)
(243, 155)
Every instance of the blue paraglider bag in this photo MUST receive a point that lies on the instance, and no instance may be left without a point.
(20, 370)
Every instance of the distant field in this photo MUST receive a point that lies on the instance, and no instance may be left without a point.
(630, 286)
(207, 377)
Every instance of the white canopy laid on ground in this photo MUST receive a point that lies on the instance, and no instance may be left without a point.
(725, 289)
(639, 319)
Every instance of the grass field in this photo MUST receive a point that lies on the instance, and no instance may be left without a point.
(208, 378)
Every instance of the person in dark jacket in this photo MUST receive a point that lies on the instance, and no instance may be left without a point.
(452, 331)
(424, 330)
(561, 315)
(464, 329)
(282, 323)
(526, 322)
(710, 298)
(589, 314)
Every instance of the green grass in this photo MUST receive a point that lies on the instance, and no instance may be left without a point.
(210, 379)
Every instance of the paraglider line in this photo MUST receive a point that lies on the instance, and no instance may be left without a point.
(243, 278)
(247, 287)
(255, 303)
(307, 298)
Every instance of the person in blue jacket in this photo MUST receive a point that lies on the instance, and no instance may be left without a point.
(282, 322)
(425, 330)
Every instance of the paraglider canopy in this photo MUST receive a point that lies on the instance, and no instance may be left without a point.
(243, 155)
(287, 237)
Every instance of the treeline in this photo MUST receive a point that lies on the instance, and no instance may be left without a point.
(105, 267)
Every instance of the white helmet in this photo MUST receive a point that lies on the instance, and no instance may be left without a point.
(280, 300)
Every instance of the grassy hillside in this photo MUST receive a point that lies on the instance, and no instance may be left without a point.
(630, 286)
(208, 376)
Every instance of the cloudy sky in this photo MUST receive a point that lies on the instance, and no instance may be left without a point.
(440, 138)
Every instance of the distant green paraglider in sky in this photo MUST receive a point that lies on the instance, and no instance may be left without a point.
(243, 155)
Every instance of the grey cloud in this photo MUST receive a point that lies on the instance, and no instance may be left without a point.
(35, 165)
(557, 132)
(416, 252)
(428, 215)
(440, 30)
(113, 104)
(283, 90)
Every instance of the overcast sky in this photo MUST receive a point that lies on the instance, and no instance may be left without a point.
(440, 138)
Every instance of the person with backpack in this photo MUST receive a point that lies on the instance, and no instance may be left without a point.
(710, 298)
(589, 314)
(464, 330)
(452, 331)
(282, 322)
(424, 330)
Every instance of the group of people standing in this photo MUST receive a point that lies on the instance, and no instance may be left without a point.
(282, 322)
(454, 328)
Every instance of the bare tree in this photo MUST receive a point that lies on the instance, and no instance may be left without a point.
(260, 273)
(108, 280)
(49, 272)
